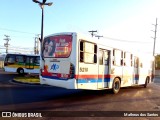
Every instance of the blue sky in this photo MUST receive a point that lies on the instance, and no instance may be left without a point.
(129, 20)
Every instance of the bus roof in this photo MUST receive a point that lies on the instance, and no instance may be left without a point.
(102, 41)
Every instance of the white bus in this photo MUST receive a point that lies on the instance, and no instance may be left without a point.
(72, 61)
(22, 63)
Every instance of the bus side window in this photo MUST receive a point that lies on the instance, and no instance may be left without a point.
(81, 52)
(136, 61)
(117, 60)
(121, 58)
(141, 65)
(100, 57)
(113, 62)
(37, 60)
(128, 59)
(124, 62)
(31, 60)
(95, 53)
(11, 59)
(106, 57)
(131, 60)
(88, 52)
(20, 59)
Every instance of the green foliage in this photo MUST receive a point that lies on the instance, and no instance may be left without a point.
(157, 61)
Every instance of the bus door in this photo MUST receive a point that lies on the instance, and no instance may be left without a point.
(128, 69)
(143, 72)
(30, 62)
(103, 69)
(136, 70)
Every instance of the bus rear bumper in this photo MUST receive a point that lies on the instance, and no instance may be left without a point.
(68, 84)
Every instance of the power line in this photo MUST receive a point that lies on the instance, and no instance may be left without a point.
(21, 47)
(19, 50)
(120, 40)
(5, 29)
(115, 39)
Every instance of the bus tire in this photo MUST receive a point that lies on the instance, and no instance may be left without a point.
(116, 85)
(20, 71)
(146, 82)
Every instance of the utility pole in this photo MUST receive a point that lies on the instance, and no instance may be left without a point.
(154, 45)
(92, 32)
(155, 33)
(36, 45)
(7, 39)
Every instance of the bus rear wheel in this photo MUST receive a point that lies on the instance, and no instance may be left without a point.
(20, 71)
(116, 86)
(146, 82)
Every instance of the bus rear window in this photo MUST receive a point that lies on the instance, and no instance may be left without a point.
(57, 46)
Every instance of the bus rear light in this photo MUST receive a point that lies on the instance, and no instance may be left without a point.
(72, 71)
(64, 76)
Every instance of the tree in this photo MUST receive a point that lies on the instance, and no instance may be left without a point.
(157, 61)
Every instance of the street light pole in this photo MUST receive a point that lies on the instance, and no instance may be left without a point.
(42, 4)
(42, 23)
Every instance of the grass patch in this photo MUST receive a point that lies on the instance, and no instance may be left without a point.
(28, 79)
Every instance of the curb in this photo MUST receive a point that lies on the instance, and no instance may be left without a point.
(26, 81)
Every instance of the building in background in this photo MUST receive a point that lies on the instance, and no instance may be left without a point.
(2, 56)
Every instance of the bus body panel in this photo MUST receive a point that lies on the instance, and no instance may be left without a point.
(92, 65)
(127, 76)
(87, 78)
(10, 69)
(68, 84)
(60, 71)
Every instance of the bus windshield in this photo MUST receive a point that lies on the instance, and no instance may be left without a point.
(58, 46)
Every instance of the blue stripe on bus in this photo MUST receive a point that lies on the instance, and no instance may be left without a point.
(93, 80)
(88, 80)
(136, 78)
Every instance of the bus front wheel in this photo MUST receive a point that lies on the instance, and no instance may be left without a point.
(116, 86)
(20, 71)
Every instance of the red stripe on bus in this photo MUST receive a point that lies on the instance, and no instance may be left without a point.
(105, 76)
(92, 76)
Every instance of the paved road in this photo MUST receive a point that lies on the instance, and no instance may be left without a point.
(20, 97)
(15, 93)
(157, 79)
